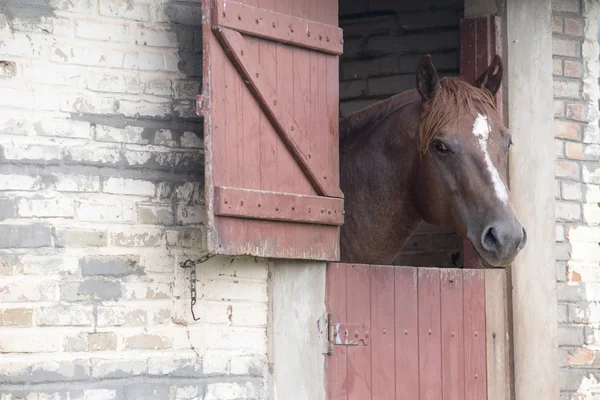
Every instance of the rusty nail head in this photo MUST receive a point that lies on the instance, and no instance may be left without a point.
(494, 335)
(328, 38)
(256, 20)
(224, 14)
(320, 37)
(309, 156)
(274, 24)
(406, 332)
(367, 334)
(309, 209)
(346, 332)
(475, 334)
(452, 333)
(259, 205)
(324, 176)
(242, 52)
(242, 203)
(308, 33)
(274, 102)
(292, 128)
(239, 17)
(276, 208)
(257, 74)
(384, 331)
(355, 333)
(476, 376)
(430, 331)
(226, 201)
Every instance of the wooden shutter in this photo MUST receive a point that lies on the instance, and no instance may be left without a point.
(270, 102)
(480, 41)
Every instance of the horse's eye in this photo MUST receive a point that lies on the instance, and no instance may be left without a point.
(441, 147)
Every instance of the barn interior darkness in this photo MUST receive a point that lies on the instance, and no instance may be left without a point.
(383, 42)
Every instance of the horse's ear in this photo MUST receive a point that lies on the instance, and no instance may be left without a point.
(491, 79)
(428, 80)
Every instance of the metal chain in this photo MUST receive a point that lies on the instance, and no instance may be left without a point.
(191, 264)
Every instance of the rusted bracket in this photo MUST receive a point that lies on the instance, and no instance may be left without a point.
(191, 264)
(282, 119)
(345, 334)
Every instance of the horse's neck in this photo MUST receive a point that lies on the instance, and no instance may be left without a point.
(376, 179)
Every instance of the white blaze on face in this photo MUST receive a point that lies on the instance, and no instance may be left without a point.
(481, 130)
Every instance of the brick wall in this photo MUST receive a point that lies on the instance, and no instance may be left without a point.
(383, 43)
(577, 138)
(101, 192)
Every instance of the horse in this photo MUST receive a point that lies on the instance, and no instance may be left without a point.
(436, 153)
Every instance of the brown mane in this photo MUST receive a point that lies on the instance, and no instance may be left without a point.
(366, 118)
(454, 98)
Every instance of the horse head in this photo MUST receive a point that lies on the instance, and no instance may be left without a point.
(460, 179)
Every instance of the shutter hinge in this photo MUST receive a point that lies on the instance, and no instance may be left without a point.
(342, 334)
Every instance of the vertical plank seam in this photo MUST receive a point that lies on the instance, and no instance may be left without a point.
(416, 272)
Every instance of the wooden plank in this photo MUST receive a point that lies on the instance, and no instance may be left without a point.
(283, 28)
(406, 333)
(474, 333)
(382, 333)
(430, 351)
(453, 377)
(281, 118)
(336, 363)
(358, 312)
(233, 202)
(497, 335)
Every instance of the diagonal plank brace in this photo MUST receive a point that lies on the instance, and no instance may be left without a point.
(282, 119)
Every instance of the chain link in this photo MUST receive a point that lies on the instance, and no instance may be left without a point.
(191, 264)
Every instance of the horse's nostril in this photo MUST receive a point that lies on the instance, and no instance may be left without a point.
(490, 240)
(524, 240)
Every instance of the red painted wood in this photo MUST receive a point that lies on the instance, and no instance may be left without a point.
(336, 363)
(244, 151)
(406, 333)
(260, 204)
(427, 333)
(453, 377)
(430, 349)
(474, 334)
(265, 23)
(383, 365)
(358, 285)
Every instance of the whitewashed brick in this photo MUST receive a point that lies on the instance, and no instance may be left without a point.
(63, 128)
(69, 315)
(164, 137)
(227, 290)
(216, 362)
(18, 98)
(560, 233)
(229, 391)
(102, 212)
(567, 211)
(157, 86)
(81, 103)
(155, 214)
(138, 108)
(190, 139)
(60, 207)
(155, 37)
(44, 98)
(19, 289)
(143, 61)
(572, 191)
(136, 237)
(117, 368)
(77, 183)
(129, 186)
(141, 290)
(90, 155)
(129, 134)
(236, 339)
(33, 152)
(122, 316)
(591, 214)
(99, 394)
(584, 234)
(45, 264)
(15, 122)
(171, 60)
(128, 10)
(117, 32)
(112, 82)
(30, 341)
(188, 215)
(248, 365)
(19, 182)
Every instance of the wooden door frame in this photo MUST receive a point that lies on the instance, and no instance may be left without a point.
(528, 96)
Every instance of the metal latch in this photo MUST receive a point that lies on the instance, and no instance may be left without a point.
(342, 334)
(349, 334)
